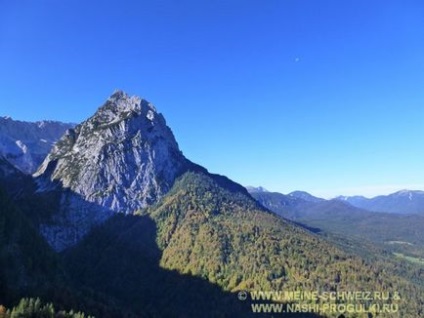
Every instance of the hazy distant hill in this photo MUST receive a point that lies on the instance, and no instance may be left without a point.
(256, 189)
(305, 196)
(403, 202)
(402, 232)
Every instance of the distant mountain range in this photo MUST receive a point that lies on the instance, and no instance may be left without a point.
(403, 231)
(305, 196)
(402, 202)
(26, 144)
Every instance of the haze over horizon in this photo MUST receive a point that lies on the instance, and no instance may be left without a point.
(324, 97)
(380, 191)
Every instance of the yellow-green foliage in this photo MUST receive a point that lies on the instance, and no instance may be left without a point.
(209, 230)
(34, 308)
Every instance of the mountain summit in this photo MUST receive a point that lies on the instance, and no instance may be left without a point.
(123, 158)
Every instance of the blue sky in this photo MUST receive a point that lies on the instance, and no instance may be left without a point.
(324, 96)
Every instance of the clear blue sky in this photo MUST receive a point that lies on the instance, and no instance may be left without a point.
(325, 96)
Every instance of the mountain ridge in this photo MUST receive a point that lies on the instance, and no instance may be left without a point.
(26, 144)
(401, 202)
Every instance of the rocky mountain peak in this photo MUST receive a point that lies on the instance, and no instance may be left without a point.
(123, 158)
(121, 106)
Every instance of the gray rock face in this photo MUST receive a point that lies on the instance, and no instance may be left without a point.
(25, 145)
(121, 159)
(74, 217)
